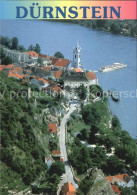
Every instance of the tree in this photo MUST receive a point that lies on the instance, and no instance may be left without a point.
(58, 55)
(21, 48)
(37, 48)
(5, 41)
(96, 90)
(85, 134)
(116, 122)
(114, 165)
(15, 43)
(82, 92)
(115, 28)
(31, 48)
(57, 168)
(7, 60)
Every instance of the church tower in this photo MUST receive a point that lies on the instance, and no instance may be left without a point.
(76, 57)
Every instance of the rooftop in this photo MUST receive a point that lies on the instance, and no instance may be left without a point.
(55, 88)
(56, 152)
(90, 75)
(61, 62)
(10, 66)
(32, 53)
(52, 128)
(47, 57)
(13, 73)
(68, 189)
(76, 76)
(115, 189)
(117, 178)
(57, 74)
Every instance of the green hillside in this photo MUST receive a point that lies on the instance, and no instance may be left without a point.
(21, 126)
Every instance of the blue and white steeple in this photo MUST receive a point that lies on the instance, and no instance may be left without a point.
(76, 57)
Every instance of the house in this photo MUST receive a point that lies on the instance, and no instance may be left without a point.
(18, 75)
(122, 180)
(32, 54)
(45, 72)
(54, 90)
(93, 80)
(52, 128)
(56, 154)
(39, 83)
(68, 189)
(74, 80)
(46, 59)
(71, 82)
(60, 63)
(49, 161)
(57, 75)
(10, 66)
(18, 69)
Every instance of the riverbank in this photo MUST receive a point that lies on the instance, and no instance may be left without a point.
(122, 27)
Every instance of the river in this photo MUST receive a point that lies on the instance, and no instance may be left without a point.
(98, 49)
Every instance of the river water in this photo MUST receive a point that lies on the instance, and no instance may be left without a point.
(98, 49)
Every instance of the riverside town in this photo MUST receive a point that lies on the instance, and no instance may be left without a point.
(73, 12)
(58, 133)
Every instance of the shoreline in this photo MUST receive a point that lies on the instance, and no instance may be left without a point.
(90, 24)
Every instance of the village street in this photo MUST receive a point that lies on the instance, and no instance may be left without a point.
(68, 173)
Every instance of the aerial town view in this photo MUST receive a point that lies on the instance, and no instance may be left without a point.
(68, 111)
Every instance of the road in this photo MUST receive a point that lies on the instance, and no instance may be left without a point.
(69, 175)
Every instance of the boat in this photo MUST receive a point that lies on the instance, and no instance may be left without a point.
(115, 95)
(114, 66)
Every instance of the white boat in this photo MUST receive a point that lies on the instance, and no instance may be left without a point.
(114, 66)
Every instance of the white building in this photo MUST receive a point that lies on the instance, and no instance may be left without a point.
(16, 56)
(74, 80)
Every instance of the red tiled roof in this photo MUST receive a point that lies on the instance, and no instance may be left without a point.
(116, 189)
(90, 75)
(10, 66)
(13, 73)
(62, 62)
(55, 89)
(45, 56)
(54, 60)
(117, 178)
(68, 189)
(57, 74)
(32, 53)
(41, 79)
(78, 70)
(56, 152)
(19, 69)
(52, 128)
